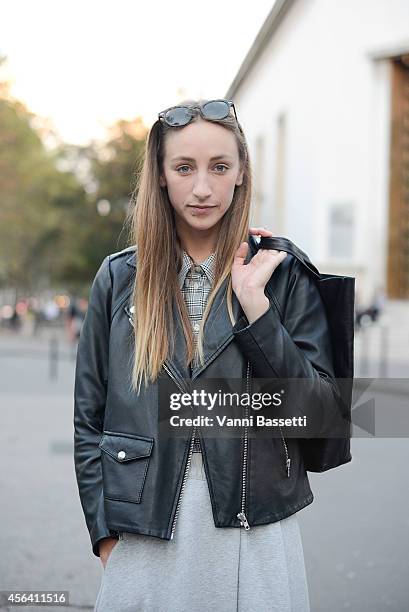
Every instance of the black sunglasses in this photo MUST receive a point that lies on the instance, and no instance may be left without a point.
(176, 116)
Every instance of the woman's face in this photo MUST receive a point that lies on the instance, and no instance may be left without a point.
(201, 170)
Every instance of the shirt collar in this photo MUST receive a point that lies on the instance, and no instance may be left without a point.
(207, 265)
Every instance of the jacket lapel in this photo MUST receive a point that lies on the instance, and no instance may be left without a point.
(218, 328)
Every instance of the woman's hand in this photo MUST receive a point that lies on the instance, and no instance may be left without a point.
(105, 547)
(249, 280)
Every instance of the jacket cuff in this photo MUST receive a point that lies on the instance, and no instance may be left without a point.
(97, 534)
(99, 531)
(253, 337)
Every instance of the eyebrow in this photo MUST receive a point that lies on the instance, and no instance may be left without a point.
(191, 159)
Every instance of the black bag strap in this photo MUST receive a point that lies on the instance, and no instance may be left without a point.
(284, 244)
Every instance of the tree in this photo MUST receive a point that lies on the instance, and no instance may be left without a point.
(51, 232)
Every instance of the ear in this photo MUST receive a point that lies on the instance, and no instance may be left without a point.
(239, 179)
(162, 181)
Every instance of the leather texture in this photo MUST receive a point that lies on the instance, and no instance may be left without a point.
(129, 478)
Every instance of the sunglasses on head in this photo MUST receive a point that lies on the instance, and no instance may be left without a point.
(176, 116)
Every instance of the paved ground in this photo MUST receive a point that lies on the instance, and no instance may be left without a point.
(355, 533)
(43, 539)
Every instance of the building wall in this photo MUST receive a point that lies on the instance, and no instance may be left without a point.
(315, 108)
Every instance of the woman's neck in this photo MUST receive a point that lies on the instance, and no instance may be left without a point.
(199, 245)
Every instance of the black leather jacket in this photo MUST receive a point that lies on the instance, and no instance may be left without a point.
(128, 478)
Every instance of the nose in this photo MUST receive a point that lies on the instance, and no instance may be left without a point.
(201, 187)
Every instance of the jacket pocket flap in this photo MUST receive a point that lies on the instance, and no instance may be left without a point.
(124, 447)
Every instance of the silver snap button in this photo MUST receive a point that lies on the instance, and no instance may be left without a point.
(195, 286)
(121, 455)
(197, 268)
(196, 326)
(132, 309)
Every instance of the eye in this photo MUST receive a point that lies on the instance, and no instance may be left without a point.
(180, 167)
(222, 166)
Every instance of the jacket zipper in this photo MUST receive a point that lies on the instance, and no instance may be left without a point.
(242, 514)
(287, 458)
(188, 459)
(183, 482)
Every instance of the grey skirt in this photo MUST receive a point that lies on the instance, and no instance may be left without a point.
(207, 568)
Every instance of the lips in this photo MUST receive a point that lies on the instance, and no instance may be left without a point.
(202, 211)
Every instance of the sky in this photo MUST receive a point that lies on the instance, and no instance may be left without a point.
(84, 64)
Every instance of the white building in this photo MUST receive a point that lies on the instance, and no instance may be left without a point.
(323, 96)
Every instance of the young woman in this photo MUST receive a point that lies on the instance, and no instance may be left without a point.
(194, 522)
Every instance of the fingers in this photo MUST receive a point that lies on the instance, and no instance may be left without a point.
(241, 253)
(277, 256)
(281, 256)
(274, 251)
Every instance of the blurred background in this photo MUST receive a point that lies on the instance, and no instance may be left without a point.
(321, 88)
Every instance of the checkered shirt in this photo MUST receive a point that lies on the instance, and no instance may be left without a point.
(195, 282)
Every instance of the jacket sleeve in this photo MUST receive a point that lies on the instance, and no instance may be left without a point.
(295, 345)
(91, 375)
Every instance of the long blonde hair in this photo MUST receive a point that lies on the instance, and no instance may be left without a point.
(159, 255)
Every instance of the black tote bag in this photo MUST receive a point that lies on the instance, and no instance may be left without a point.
(337, 293)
